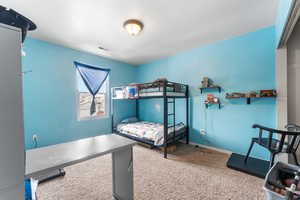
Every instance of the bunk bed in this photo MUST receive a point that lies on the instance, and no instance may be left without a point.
(154, 134)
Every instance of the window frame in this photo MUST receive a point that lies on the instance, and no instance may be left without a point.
(107, 102)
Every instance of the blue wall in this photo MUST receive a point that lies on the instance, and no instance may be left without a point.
(282, 16)
(50, 93)
(241, 64)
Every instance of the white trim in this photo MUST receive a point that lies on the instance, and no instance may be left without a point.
(294, 14)
(211, 148)
(281, 87)
(93, 118)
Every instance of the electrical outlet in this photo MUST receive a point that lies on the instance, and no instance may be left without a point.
(35, 137)
(35, 140)
(203, 132)
(157, 107)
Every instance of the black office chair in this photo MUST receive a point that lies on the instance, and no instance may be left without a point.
(287, 142)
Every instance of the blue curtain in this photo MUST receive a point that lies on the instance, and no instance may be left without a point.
(93, 77)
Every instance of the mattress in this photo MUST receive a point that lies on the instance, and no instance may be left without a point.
(155, 94)
(148, 130)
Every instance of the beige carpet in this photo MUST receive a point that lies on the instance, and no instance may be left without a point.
(189, 174)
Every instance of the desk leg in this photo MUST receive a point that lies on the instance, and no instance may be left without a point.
(122, 174)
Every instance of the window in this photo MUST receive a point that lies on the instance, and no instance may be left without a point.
(85, 100)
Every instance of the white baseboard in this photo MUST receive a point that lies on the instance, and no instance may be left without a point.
(211, 148)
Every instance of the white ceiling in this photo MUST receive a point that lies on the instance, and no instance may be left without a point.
(170, 26)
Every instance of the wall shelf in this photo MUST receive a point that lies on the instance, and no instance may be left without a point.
(208, 104)
(214, 87)
(248, 99)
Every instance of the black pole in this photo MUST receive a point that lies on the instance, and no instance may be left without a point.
(187, 115)
(174, 119)
(137, 109)
(165, 118)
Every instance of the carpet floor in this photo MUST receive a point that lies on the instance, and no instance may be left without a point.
(189, 173)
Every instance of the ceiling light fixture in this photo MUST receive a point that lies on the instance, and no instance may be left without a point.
(133, 26)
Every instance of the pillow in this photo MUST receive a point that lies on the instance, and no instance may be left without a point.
(130, 120)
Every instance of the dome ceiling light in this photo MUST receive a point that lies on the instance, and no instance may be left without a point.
(133, 26)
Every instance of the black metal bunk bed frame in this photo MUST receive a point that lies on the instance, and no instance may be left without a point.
(166, 101)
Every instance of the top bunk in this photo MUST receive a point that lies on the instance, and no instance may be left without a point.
(160, 88)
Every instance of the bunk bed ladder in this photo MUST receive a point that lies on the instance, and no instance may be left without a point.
(171, 101)
(168, 101)
(173, 119)
(187, 114)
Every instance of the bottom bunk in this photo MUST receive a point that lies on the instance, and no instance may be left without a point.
(151, 133)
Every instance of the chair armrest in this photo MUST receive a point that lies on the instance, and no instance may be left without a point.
(275, 131)
(293, 127)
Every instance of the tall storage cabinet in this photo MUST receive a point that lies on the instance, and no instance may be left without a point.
(12, 152)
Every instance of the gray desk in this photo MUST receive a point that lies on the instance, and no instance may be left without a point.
(47, 159)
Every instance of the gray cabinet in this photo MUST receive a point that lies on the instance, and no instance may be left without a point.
(12, 167)
(12, 193)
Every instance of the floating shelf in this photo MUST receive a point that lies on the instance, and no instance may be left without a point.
(207, 104)
(248, 99)
(214, 87)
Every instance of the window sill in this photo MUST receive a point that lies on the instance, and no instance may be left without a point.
(92, 118)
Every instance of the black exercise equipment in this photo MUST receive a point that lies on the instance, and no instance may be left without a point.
(255, 167)
(287, 142)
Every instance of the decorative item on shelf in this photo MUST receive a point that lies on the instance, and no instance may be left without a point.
(253, 94)
(118, 92)
(207, 83)
(235, 95)
(268, 93)
(216, 100)
(211, 99)
(132, 91)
